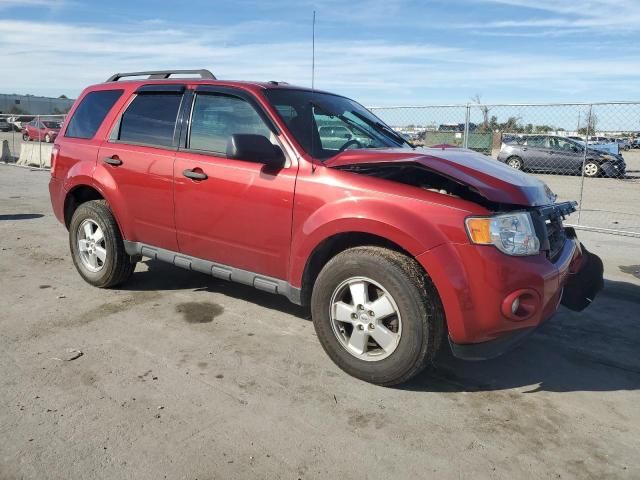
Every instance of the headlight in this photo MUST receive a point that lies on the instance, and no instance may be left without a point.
(511, 233)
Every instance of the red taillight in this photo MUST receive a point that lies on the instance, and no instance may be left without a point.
(54, 157)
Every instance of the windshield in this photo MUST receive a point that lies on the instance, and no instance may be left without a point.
(325, 124)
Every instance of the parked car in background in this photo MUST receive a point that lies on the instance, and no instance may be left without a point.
(600, 139)
(20, 121)
(5, 126)
(456, 127)
(623, 144)
(555, 154)
(41, 130)
(334, 136)
(635, 142)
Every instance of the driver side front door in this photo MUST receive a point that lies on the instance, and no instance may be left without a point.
(235, 212)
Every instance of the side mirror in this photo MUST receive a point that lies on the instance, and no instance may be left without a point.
(255, 148)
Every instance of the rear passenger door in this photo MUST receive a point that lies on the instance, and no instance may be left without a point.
(139, 158)
(240, 214)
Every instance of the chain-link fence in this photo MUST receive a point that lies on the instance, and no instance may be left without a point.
(27, 139)
(584, 152)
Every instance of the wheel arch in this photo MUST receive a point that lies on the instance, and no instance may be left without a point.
(77, 196)
(332, 246)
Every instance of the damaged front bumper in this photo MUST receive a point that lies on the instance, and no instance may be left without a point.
(579, 281)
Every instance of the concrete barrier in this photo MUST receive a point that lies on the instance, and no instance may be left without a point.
(35, 154)
(6, 153)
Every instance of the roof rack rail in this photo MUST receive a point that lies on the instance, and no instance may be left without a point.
(162, 74)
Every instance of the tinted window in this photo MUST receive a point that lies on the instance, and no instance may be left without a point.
(539, 142)
(151, 119)
(216, 117)
(91, 112)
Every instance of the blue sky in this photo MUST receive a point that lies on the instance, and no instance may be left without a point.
(381, 52)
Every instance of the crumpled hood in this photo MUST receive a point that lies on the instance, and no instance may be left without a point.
(492, 179)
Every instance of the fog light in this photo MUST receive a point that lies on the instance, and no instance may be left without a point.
(521, 304)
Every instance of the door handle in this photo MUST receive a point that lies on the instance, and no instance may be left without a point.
(114, 160)
(194, 175)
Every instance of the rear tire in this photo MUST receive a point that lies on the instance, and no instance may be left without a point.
(96, 246)
(412, 332)
(515, 162)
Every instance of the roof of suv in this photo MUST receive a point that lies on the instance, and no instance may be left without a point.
(200, 77)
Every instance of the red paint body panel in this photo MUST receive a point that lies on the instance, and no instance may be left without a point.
(239, 216)
(330, 201)
(140, 192)
(473, 280)
(270, 223)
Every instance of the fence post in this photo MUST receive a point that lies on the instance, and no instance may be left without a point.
(584, 161)
(39, 140)
(465, 140)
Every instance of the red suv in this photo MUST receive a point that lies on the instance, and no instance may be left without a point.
(392, 247)
(41, 130)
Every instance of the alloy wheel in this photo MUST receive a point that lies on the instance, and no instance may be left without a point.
(365, 319)
(91, 246)
(514, 163)
(591, 169)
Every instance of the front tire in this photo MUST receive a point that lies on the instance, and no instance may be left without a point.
(377, 315)
(96, 246)
(47, 138)
(591, 169)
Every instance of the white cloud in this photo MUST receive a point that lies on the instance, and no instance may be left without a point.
(74, 56)
(604, 15)
(51, 4)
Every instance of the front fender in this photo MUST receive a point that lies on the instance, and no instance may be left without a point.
(402, 223)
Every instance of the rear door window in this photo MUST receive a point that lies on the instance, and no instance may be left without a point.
(151, 119)
(91, 112)
(537, 142)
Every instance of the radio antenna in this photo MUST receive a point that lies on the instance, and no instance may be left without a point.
(313, 50)
(313, 75)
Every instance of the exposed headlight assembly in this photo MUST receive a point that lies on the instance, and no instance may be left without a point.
(511, 233)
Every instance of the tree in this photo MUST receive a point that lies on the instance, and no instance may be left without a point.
(591, 127)
(484, 109)
(63, 96)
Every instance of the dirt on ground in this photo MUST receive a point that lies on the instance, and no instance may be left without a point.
(179, 375)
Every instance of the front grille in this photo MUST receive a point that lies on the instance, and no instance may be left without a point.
(547, 221)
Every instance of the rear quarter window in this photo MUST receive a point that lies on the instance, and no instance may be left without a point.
(91, 112)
